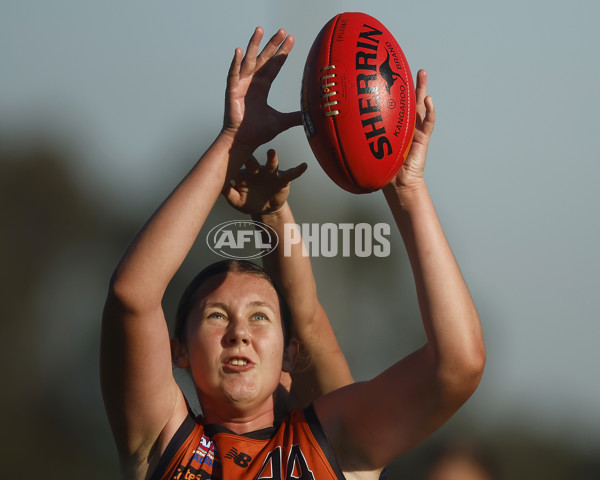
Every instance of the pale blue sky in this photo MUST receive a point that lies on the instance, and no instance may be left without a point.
(136, 89)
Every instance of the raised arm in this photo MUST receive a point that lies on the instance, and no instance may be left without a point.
(262, 192)
(410, 400)
(143, 402)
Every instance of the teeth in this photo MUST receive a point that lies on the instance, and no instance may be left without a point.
(238, 361)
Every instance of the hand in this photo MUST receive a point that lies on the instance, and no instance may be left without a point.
(412, 170)
(248, 118)
(261, 190)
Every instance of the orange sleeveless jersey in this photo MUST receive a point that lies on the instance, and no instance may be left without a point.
(296, 449)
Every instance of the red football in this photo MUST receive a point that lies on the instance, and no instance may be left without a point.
(358, 102)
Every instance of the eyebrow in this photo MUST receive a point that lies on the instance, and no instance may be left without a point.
(215, 305)
(255, 303)
(259, 303)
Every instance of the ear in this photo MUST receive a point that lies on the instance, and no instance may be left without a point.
(179, 354)
(290, 354)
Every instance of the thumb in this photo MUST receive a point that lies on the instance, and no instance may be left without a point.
(293, 173)
(231, 195)
(289, 120)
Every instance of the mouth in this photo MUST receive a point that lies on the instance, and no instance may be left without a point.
(237, 364)
(238, 361)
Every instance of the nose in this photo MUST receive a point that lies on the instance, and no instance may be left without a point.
(237, 334)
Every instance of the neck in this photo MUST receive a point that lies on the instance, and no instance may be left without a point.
(240, 424)
(240, 419)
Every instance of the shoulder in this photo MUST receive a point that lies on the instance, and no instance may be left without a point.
(180, 445)
(343, 419)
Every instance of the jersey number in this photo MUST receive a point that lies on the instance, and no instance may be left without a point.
(297, 468)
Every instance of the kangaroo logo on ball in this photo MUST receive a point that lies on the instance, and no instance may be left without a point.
(386, 72)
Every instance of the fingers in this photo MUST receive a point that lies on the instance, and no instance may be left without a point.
(424, 102)
(231, 195)
(272, 161)
(421, 88)
(272, 168)
(429, 120)
(272, 165)
(272, 57)
(252, 165)
(272, 47)
(293, 173)
(249, 62)
(271, 65)
(234, 68)
(421, 93)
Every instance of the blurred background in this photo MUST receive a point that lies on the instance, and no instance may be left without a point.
(104, 106)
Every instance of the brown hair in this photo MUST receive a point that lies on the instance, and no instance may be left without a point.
(188, 299)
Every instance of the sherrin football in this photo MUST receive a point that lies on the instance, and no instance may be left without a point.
(358, 102)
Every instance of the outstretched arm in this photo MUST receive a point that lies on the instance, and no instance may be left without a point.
(262, 192)
(143, 402)
(410, 400)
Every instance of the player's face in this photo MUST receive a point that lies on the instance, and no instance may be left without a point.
(235, 342)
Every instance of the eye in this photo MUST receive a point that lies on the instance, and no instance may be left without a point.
(259, 316)
(216, 315)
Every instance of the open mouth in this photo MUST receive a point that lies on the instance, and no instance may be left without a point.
(238, 364)
(237, 361)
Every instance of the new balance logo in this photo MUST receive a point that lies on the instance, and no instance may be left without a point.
(241, 459)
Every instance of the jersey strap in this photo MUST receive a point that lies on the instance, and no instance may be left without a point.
(296, 449)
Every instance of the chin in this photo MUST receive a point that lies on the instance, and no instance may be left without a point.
(238, 392)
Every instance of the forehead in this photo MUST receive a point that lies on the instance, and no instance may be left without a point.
(239, 289)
